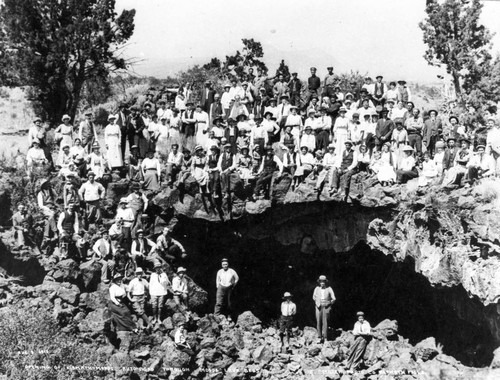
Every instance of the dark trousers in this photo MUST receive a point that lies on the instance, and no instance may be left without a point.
(403, 176)
(124, 144)
(189, 129)
(338, 174)
(214, 182)
(431, 144)
(264, 182)
(415, 141)
(295, 99)
(223, 300)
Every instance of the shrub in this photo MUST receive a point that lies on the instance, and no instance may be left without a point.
(32, 346)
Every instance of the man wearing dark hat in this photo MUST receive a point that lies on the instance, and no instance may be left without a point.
(288, 311)
(414, 126)
(383, 130)
(226, 166)
(226, 280)
(207, 96)
(86, 132)
(135, 128)
(68, 225)
(432, 128)
(450, 153)
(280, 88)
(188, 120)
(91, 193)
(269, 164)
(329, 84)
(324, 298)
(379, 91)
(122, 121)
(404, 94)
(142, 249)
(103, 253)
(345, 168)
(295, 86)
(313, 85)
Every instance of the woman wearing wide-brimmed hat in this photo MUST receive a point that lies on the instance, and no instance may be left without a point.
(120, 313)
(407, 166)
(64, 132)
(324, 298)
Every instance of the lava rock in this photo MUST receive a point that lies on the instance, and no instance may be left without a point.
(95, 321)
(310, 334)
(247, 320)
(386, 329)
(173, 357)
(66, 270)
(425, 350)
(91, 274)
(262, 354)
(68, 293)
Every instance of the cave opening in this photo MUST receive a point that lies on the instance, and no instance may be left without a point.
(362, 279)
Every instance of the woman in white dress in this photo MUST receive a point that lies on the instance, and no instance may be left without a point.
(199, 168)
(175, 125)
(386, 174)
(112, 139)
(341, 131)
(96, 161)
(429, 171)
(64, 132)
(202, 120)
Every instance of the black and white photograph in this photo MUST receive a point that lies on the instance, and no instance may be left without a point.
(236, 190)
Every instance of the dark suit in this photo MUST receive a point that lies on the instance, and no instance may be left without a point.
(232, 139)
(207, 98)
(122, 122)
(216, 110)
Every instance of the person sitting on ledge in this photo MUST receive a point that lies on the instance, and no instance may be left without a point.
(362, 335)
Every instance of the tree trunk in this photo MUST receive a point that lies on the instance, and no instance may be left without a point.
(456, 83)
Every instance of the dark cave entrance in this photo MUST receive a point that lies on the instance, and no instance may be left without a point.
(362, 279)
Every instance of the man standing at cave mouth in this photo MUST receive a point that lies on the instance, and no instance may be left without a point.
(226, 280)
(288, 311)
(324, 298)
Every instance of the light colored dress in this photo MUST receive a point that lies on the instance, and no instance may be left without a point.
(112, 139)
(202, 127)
(198, 170)
(386, 172)
(428, 173)
(97, 164)
(66, 133)
(341, 133)
(152, 172)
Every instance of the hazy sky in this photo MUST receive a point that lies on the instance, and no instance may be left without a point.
(375, 36)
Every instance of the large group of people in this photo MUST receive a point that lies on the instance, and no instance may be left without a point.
(258, 129)
(247, 136)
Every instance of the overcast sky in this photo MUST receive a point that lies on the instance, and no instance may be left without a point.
(375, 36)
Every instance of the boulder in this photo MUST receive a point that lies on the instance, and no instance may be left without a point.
(172, 357)
(68, 293)
(330, 352)
(95, 321)
(310, 334)
(236, 371)
(208, 325)
(94, 300)
(386, 329)
(257, 207)
(247, 320)
(262, 354)
(495, 363)
(208, 342)
(91, 274)
(425, 350)
(121, 362)
(65, 270)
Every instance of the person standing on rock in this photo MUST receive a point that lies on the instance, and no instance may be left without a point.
(91, 192)
(226, 280)
(180, 288)
(137, 295)
(288, 311)
(158, 291)
(120, 313)
(324, 298)
(362, 334)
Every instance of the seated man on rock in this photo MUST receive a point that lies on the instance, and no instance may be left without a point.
(269, 164)
(344, 168)
(169, 249)
(21, 224)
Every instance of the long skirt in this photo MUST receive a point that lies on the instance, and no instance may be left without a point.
(151, 180)
(357, 351)
(122, 317)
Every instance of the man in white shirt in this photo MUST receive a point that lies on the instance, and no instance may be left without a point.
(174, 163)
(136, 293)
(168, 248)
(180, 288)
(103, 253)
(480, 165)
(91, 192)
(493, 142)
(288, 311)
(226, 280)
(126, 215)
(328, 164)
(283, 110)
(158, 290)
